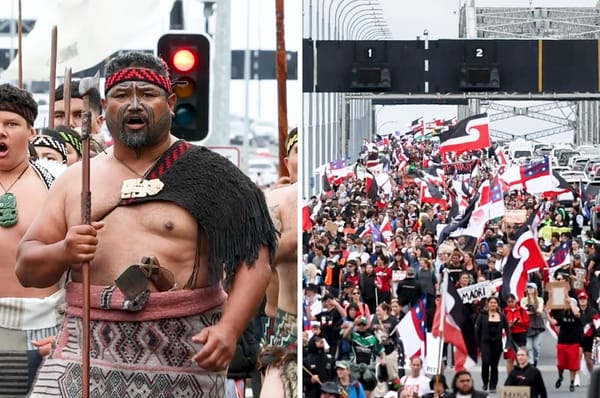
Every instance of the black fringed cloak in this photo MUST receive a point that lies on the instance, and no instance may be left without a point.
(227, 204)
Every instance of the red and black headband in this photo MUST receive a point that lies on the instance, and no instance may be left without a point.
(140, 75)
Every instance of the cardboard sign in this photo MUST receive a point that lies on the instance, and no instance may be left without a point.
(515, 392)
(398, 275)
(475, 292)
(558, 294)
(580, 273)
(332, 227)
(515, 216)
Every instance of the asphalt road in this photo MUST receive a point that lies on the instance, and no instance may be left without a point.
(547, 366)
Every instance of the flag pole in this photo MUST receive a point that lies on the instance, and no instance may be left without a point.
(443, 291)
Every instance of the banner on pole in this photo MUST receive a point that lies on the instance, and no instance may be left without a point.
(433, 354)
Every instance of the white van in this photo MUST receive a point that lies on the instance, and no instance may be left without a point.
(520, 148)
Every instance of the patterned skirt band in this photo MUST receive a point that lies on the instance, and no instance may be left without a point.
(135, 353)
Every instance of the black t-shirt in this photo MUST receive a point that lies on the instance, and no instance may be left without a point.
(331, 322)
(571, 331)
(596, 259)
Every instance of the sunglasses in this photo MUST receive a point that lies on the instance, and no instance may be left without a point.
(355, 292)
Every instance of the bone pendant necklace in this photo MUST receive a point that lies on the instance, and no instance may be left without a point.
(8, 204)
(140, 187)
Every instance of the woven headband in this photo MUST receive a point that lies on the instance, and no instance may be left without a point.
(140, 75)
(20, 108)
(72, 139)
(50, 142)
(293, 139)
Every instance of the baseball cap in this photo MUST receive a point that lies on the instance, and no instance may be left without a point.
(500, 243)
(533, 285)
(582, 295)
(410, 272)
(342, 365)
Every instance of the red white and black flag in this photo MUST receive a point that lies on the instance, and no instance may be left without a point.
(453, 321)
(469, 134)
(525, 257)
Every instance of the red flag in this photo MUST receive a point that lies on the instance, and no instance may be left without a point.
(458, 328)
(371, 186)
(469, 134)
(525, 257)
(432, 194)
(306, 220)
(537, 176)
(413, 331)
(386, 229)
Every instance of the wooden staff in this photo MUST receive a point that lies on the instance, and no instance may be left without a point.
(281, 74)
(52, 94)
(86, 85)
(20, 44)
(67, 96)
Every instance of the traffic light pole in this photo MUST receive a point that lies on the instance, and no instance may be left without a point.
(220, 127)
(246, 142)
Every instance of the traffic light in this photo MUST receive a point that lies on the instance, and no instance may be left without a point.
(188, 58)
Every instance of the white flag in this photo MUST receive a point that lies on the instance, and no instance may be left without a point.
(88, 32)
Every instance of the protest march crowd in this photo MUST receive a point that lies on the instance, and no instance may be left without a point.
(432, 241)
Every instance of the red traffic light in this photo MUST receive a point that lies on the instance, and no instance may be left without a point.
(187, 56)
(184, 60)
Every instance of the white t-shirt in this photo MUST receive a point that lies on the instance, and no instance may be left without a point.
(419, 384)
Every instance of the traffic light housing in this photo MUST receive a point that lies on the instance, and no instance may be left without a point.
(188, 57)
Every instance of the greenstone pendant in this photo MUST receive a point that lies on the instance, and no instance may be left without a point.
(8, 210)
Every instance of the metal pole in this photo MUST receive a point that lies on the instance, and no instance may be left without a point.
(246, 145)
(221, 77)
(336, 15)
(360, 11)
(20, 54)
(377, 19)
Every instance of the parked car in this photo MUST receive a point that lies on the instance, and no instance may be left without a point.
(578, 162)
(591, 190)
(573, 177)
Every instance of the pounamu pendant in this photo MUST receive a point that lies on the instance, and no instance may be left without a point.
(8, 210)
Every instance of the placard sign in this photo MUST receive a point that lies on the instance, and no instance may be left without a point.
(475, 292)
